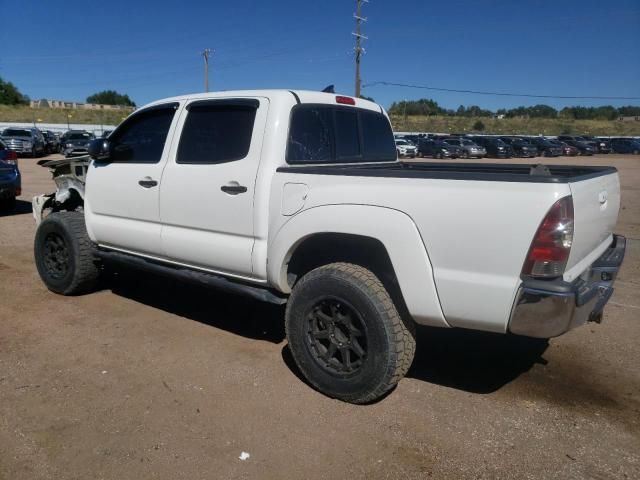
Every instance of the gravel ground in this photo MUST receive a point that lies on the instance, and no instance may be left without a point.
(152, 379)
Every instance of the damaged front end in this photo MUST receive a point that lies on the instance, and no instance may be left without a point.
(69, 175)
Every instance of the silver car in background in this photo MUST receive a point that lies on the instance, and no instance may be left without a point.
(24, 141)
(469, 148)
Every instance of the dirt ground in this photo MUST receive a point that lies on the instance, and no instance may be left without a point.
(152, 379)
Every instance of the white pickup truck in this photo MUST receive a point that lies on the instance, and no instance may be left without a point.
(297, 197)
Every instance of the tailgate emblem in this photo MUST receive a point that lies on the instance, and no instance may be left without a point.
(603, 196)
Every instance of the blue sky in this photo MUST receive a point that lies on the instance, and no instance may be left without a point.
(150, 49)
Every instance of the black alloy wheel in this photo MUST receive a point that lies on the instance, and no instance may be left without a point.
(336, 337)
(56, 256)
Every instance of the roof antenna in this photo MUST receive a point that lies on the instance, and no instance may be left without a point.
(329, 89)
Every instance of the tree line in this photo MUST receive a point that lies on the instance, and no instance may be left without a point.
(428, 107)
(10, 95)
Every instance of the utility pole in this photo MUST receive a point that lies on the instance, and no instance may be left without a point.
(405, 114)
(359, 37)
(205, 53)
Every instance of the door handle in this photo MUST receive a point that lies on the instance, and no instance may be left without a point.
(233, 188)
(147, 182)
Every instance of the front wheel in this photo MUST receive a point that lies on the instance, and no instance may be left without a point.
(346, 335)
(64, 254)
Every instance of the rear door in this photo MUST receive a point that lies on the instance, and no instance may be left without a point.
(122, 194)
(206, 198)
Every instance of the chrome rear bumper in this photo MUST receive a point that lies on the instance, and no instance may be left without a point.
(547, 309)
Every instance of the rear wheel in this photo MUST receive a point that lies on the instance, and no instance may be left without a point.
(64, 254)
(346, 335)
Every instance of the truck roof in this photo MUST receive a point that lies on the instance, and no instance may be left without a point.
(300, 96)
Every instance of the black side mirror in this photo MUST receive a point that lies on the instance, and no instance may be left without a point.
(100, 149)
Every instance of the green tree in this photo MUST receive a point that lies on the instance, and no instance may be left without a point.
(478, 126)
(629, 111)
(10, 95)
(110, 97)
(542, 111)
(423, 106)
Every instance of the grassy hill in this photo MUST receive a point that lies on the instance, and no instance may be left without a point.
(532, 126)
(11, 113)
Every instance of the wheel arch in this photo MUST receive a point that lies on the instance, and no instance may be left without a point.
(384, 240)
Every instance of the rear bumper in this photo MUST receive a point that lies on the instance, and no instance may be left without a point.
(547, 309)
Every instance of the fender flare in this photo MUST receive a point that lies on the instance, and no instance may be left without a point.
(394, 229)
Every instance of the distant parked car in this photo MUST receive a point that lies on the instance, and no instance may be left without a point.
(10, 185)
(470, 149)
(601, 145)
(567, 150)
(625, 145)
(438, 149)
(521, 147)
(24, 141)
(495, 147)
(52, 143)
(406, 149)
(545, 147)
(583, 147)
(76, 142)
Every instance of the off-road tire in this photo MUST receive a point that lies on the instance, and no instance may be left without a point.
(78, 270)
(389, 339)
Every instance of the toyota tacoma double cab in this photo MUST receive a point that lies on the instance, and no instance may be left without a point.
(298, 198)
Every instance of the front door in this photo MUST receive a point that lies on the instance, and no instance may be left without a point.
(206, 199)
(122, 194)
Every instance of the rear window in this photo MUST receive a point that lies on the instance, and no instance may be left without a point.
(14, 132)
(334, 134)
(217, 131)
(347, 134)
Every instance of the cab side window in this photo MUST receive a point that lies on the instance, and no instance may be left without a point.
(142, 137)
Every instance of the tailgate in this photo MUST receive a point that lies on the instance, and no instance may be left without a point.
(596, 202)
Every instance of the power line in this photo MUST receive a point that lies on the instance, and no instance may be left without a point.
(359, 37)
(501, 94)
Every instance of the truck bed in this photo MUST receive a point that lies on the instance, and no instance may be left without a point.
(533, 173)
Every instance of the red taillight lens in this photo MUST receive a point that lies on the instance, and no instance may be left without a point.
(551, 245)
(12, 157)
(345, 100)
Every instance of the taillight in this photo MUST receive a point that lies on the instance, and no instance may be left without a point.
(12, 157)
(551, 245)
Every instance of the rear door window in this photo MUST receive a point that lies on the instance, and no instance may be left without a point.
(217, 131)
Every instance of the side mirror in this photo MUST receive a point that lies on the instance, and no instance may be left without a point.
(100, 149)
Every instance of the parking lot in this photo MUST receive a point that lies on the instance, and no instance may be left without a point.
(149, 378)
